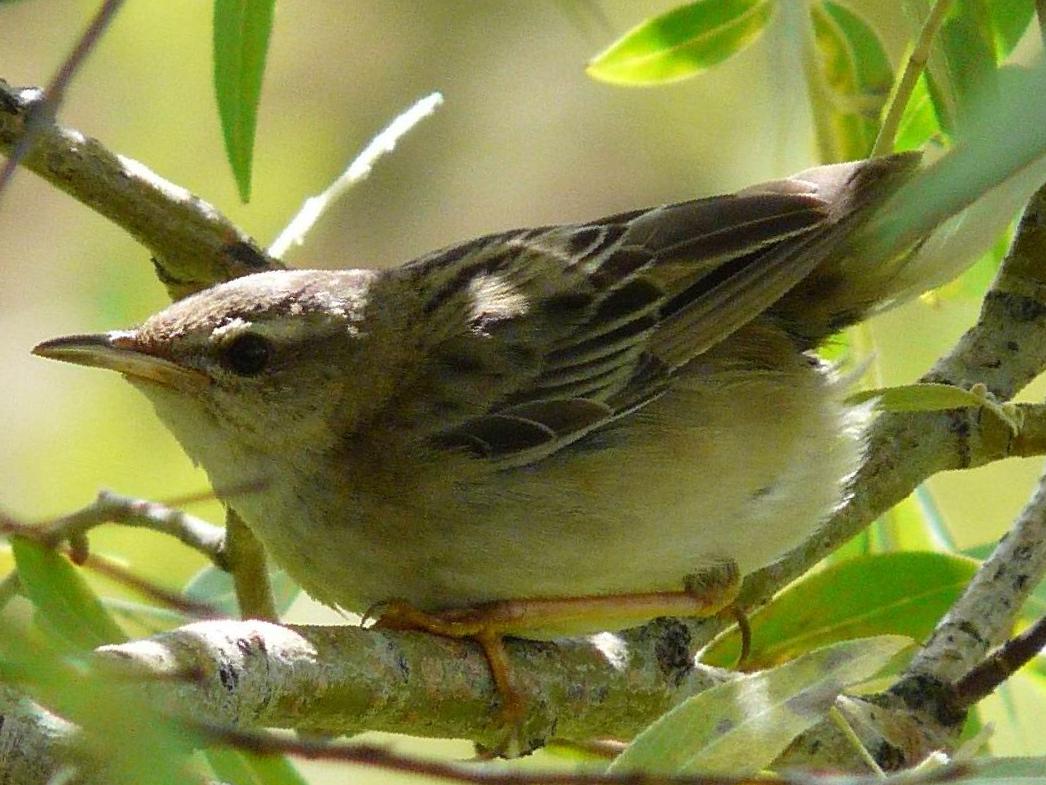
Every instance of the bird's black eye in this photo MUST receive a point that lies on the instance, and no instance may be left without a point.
(247, 354)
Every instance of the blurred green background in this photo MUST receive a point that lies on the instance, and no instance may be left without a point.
(524, 138)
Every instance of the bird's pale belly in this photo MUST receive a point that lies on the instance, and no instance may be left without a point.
(755, 473)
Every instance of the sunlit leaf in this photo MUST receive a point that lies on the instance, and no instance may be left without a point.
(241, 43)
(137, 741)
(919, 122)
(741, 726)
(922, 397)
(962, 66)
(1009, 20)
(682, 42)
(1005, 174)
(974, 282)
(228, 766)
(904, 527)
(854, 69)
(62, 596)
(889, 593)
(273, 770)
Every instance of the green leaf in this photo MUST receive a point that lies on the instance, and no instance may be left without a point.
(919, 122)
(215, 587)
(274, 770)
(229, 766)
(247, 768)
(138, 741)
(905, 527)
(741, 726)
(978, 166)
(64, 599)
(854, 70)
(889, 593)
(974, 282)
(962, 67)
(682, 42)
(919, 398)
(241, 42)
(1009, 20)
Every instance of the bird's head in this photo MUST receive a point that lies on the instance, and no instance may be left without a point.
(269, 362)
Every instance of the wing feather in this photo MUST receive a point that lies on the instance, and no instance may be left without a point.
(555, 332)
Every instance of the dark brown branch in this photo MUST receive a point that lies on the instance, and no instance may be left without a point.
(1009, 658)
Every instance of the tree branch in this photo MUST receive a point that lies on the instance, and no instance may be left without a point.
(344, 679)
(193, 245)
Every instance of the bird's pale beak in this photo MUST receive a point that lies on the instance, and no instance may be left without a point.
(120, 351)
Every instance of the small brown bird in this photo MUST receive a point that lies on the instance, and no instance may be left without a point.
(574, 427)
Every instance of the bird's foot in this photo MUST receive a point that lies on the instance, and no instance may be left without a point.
(481, 624)
(719, 585)
(705, 594)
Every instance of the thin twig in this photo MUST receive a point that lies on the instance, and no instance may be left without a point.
(43, 112)
(109, 507)
(906, 84)
(177, 601)
(193, 245)
(387, 760)
(1000, 665)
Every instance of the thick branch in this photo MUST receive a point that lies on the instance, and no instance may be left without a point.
(347, 679)
(193, 245)
(31, 740)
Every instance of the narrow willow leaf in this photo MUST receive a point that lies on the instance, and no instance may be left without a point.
(905, 527)
(855, 70)
(139, 742)
(62, 596)
(229, 766)
(889, 593)
(273, 769)
(919, 122)
(919, 398)
(1009, 20)
(995, 179)
(973, 283)
(962, 68)
(241, 43)
(741, 726)
(682, 42)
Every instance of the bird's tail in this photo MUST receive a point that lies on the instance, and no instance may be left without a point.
(878, 271)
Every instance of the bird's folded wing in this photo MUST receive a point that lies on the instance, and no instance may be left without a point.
(555, 332)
